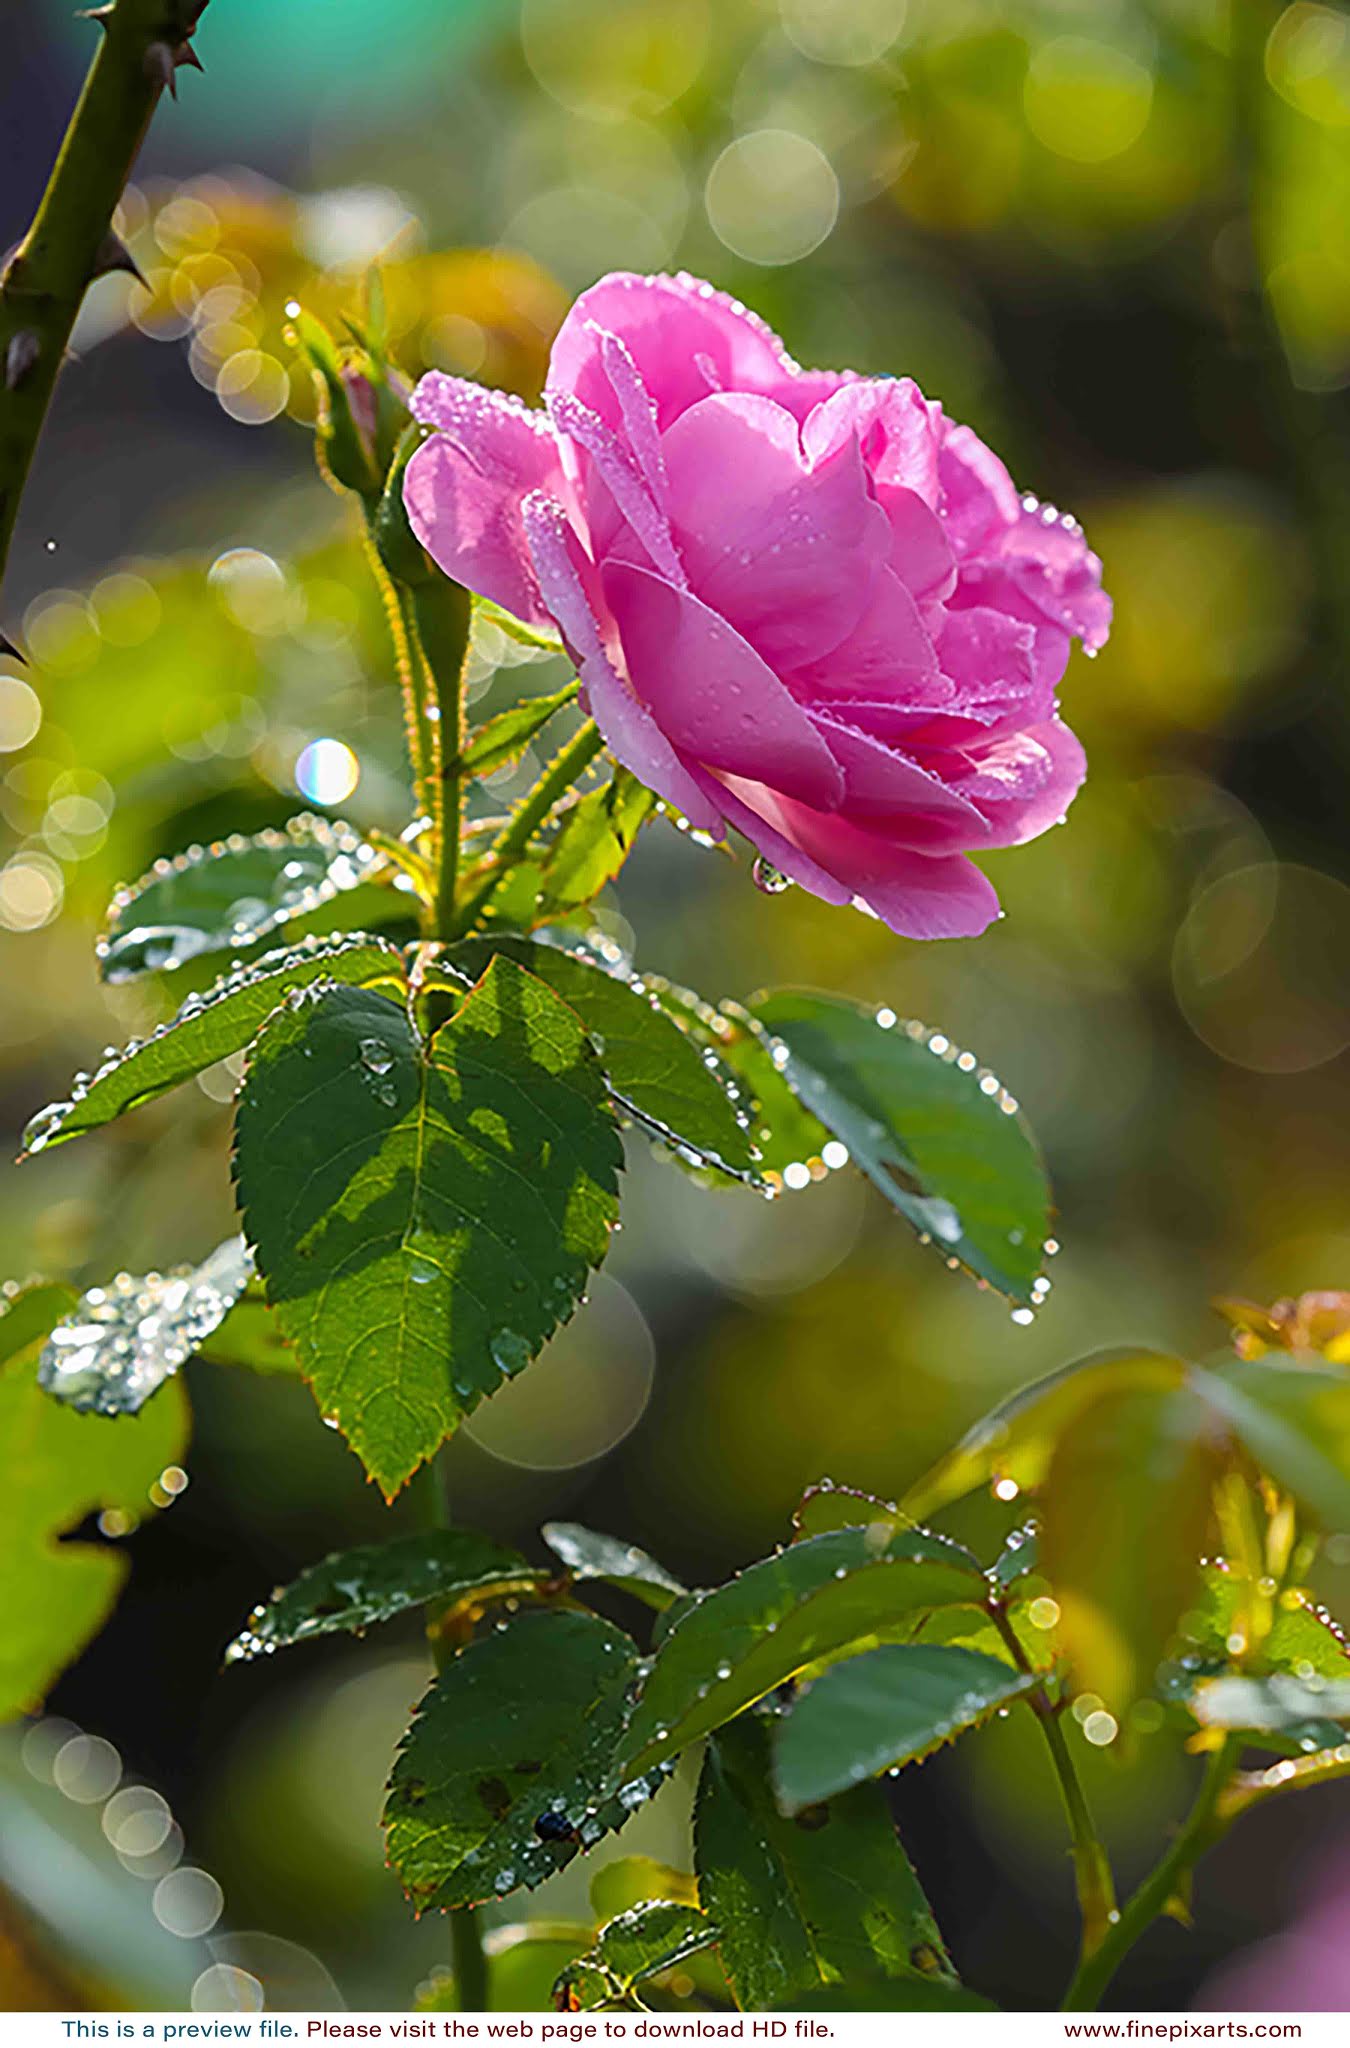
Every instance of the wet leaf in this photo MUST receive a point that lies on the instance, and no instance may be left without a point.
(890, 1706)
(60, 1468)
(588, 1555)
(943, 1140)
(503, 739)
(540, 641)
(735, 1644)
(1019, 1556)
(1277, 1706)
(231, 895)
(1301, 1638)
(822, 1897)
(638, 1944)
(826, 1506)
(506, 1772)
(593, 841)
(208, 1027)
(1012, 1445)
(251, 1336)
(657, 1074)
(1124, 1512)
(122, 1341)
(351, 1590)
(784, 1132)
(424, 1215)
(1292, 1417)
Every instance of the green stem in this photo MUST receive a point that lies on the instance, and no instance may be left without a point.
(514, 840)
(1200, 1829)
(442, 616)
(67, 246)
(397, 599)
(1092, 1867)
(1294, 1774)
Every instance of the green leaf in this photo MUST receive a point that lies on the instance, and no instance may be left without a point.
(640, 1943)
(504, 738)
(588, 1555)
(1012, 1445)
(1292, 1416)
(905, 1992)
(657, 1075)
(29, 1312)
(594, 840)
(737, 1643)
(507, 1770)
(944, 1142)
(120, 1343)
(826, 1506)
(783, 1130)
(1124, 1513)
(59, 1469)
(207, 1028)
(1019, 1557)
(351, 1590)
(817, 1899)
(634, 1880)
(1303, 1639)
(890, 1706)
(231, 894)
(1277, 1706)
(524, 1962)
(251, 1336)
(424, 1215)
(539, 640)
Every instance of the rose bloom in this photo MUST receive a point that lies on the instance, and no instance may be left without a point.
(801, 602)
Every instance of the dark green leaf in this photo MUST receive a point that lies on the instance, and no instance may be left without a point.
(230, 895)
(737, 1643)
(944, 1142)
(890, 1706)
(59, 1469)
(424, 1215)
(121, 1342)
(506, 1772)
(504, 738)
(353, 1589)
(821, 1898)
(1124, 1513)
(1292, 1416)
(207, 1028)
(1019, 1556)
(786, 1135)
(640, 1943)
(656, 1073)
(588, 1555)
(594, 840)
(1013, 1444)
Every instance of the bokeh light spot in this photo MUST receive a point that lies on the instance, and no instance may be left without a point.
(327, 772)
(1086, 100)
(1259, 968)
(772, 196)
(20, 713)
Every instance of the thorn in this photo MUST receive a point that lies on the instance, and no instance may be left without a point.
(185, 54)
(102, 15)
(23, 351)
(113, 254)
(15, 653)
(159, 65)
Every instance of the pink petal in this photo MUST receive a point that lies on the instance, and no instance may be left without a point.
(1057, 778)
(979, 496)
(614, 489)
(709, 691)
(920, 896)
(897, 431)
(1053, 565)
(888, 654)
(631, 733)
(883, 786)
(464, 488)
(783, 550)
(683, 336)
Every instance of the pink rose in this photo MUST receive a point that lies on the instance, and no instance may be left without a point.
(801, 602)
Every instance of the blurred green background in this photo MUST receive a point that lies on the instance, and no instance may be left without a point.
(1111, 236)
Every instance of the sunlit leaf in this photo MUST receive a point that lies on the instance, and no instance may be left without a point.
(735, 1644)
(1012, 1445)
(785, 1133)
(1278, 1705)
(826, 1506)
(1300, 1637)
(505, 1772)
(352, 1590)
(588, 1555)
(524, 1960)
(594, 840)
(231, 894)
(503, 739)
(638, 1944)
(825, 1896)
(890, 1706)
(1292, 1416)
(633, 1880)
(937, 1133)
(424, 1214)
(251, 1336)
(122, 1341)
(59, 1469)
(540, 640)
(657, 1074)
(208, 1027)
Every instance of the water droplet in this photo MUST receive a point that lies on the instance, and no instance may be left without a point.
(771, 881)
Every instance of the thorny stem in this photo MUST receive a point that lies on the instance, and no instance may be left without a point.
(1092, 1868)
(554, 783)
(70, 242)
(441, 619)
(397, 600)
(1201, 1828)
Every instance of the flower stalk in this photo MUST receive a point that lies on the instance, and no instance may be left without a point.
(71, 241)
(565, 769)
